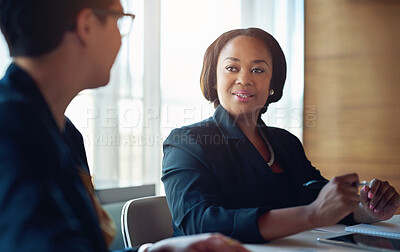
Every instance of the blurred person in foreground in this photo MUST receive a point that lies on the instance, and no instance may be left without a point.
(233, 174)
(59, 48)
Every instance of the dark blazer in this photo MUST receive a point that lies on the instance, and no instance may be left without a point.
(43, 204)
(216, 181)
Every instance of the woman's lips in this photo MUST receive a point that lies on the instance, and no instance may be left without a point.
(242, 95)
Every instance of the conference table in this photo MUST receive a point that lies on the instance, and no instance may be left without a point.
(307, 241)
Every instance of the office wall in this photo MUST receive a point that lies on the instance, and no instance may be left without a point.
(352, 87)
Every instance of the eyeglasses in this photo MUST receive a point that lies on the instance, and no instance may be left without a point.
(125, 20)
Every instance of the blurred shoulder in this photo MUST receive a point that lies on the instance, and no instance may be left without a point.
(284, 137)
(204, 128)
(16, 111)
(279, 132)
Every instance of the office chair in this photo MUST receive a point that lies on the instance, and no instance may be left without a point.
(145, 220)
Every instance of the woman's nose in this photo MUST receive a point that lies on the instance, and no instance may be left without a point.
(244, 78)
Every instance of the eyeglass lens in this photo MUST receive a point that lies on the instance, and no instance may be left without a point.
(124, 24)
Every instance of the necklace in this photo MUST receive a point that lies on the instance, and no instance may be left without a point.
(271, 151)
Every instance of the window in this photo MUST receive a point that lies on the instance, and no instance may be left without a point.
(4, 56)
(125, 123)
(185, 36)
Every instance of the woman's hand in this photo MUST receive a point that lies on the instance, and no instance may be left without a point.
(198, 243)
(336, 200)
(380, 201)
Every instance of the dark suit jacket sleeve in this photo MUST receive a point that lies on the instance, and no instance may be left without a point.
(197, 208)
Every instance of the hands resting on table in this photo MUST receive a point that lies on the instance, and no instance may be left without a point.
(340, 197)
(197, 243)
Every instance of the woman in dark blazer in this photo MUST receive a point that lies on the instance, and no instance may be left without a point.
(233, 174)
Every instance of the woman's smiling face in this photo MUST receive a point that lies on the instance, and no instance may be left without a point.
(244, 73)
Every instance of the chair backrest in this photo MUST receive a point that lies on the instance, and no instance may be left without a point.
(145, 220)
(113, 199)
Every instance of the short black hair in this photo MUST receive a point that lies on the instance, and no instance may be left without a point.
(35, 27)
(208, 77)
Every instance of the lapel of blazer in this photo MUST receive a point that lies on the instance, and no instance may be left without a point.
(284, 159)
(248, 152)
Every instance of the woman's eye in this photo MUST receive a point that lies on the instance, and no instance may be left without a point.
(231, 69)
(257, 70)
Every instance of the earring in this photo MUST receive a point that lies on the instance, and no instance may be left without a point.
(271, 92)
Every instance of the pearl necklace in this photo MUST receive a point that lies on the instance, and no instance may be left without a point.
(271, 151)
